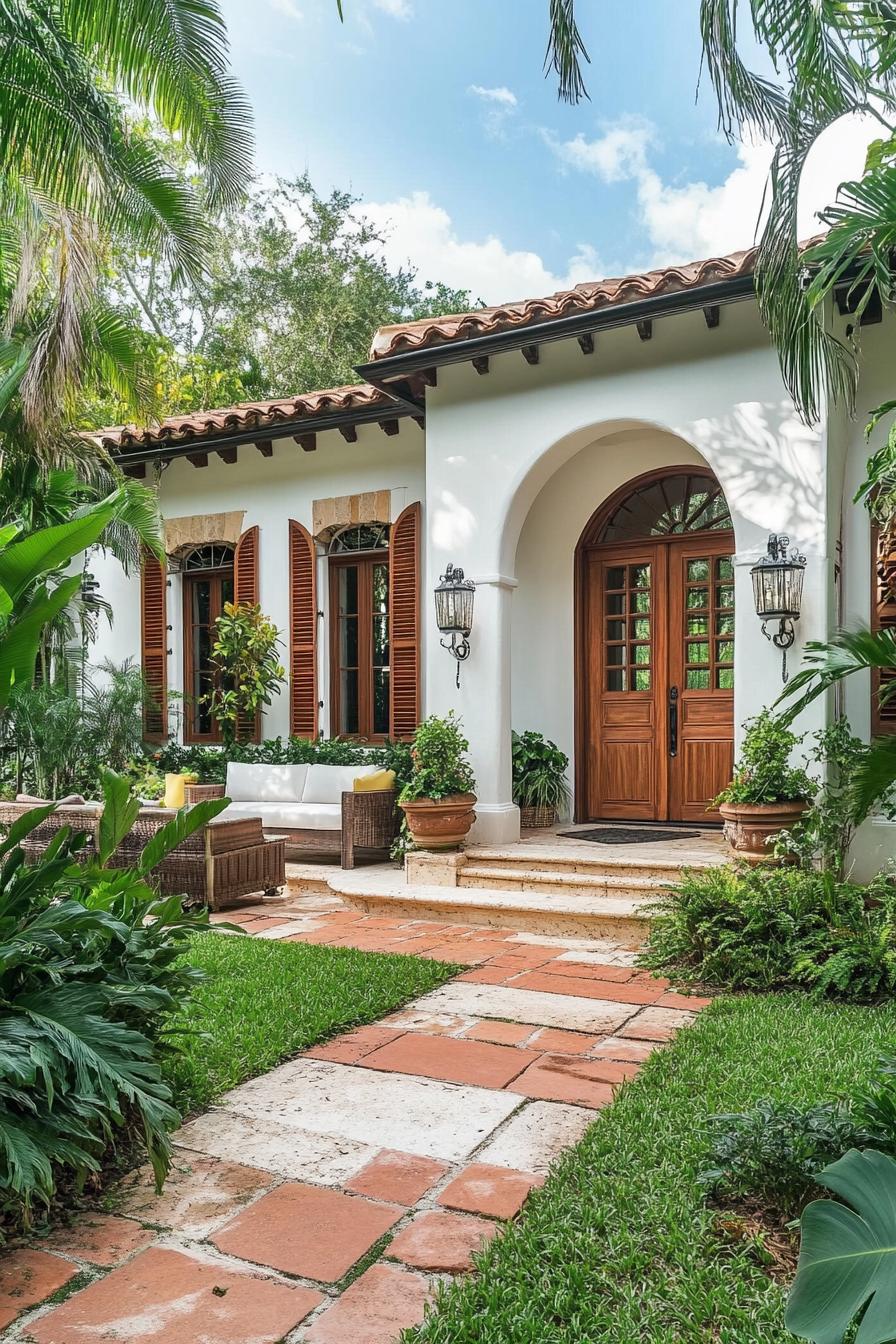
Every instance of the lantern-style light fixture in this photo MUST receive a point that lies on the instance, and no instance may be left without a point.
(454, 613)
(778, 592)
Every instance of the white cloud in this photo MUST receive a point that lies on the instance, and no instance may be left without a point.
(396, 9)
(288, 8)
(690, 220)
(420, 232)
(505, 97)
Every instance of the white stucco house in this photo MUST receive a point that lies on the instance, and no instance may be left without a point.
(606, 463)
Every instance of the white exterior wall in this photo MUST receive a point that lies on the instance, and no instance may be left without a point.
(270, 491)
(518, 460)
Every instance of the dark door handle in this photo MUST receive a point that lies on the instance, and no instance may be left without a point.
(673, 720)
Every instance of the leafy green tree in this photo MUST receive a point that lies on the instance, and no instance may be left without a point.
(245, 651)
(74, 174)
(297, 284)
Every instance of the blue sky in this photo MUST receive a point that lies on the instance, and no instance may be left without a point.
(436, 112)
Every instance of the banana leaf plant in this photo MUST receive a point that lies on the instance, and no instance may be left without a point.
(847, 1263)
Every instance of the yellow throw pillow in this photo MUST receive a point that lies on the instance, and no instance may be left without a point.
(174, 791)
(383, 779)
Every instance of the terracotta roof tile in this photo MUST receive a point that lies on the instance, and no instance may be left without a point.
(588, 297)
(246, 415)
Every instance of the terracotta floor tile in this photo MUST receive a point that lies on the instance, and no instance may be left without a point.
(583, 988)
(28, 1276)
(470, 949)
(307, 1230)
(588, 971)
(164, 1297)
(200, 1192)
(689, 1003)
(496, 1192)
(397, 1178)
(516, 965)
(558, 1042)
(637, 1031)
(450, 1059)
(374, 1309)
(563, 1078)
(524, 951)
(101, 1239)
(634, 1052)
(486, 975)
(499, 1033)
(441, 1242)
(353, 1045)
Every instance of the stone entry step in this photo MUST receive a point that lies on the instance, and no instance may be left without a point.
(567, 913)
(594, 882)
(592, 860)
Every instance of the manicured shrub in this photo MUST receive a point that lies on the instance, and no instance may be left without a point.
(767, 928)
(210, 763)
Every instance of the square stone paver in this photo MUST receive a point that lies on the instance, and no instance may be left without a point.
(566, 1078)
(495, 1192)
(434, 1024)
(306, 1230)
(442, 1242)
(374, 1309)
(26, 1278)
(200, 1193)
(397, 1178)
(454, 1061)
(499, 1033)
(164, 1297)
(284, 1149)
(536, 1136)
(101, 1239)
(568, 1011)
(382, 1110)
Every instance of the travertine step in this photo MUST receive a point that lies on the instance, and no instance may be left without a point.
(306, 879)
(576, 859)
(594, 882)
(618, 917)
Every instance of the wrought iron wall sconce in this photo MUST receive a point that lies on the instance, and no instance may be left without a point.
(454, 613)
(778, 592)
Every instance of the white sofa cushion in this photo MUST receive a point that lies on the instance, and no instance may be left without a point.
(287, 816)
(327, 783)
(265, 783)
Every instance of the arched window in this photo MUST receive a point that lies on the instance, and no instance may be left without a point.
(207, 586)
(359, 631)
(669, 506)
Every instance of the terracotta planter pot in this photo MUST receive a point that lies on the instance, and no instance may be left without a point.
(442, 824)
(751, 828)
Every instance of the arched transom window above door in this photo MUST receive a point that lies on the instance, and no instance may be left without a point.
(667, 506)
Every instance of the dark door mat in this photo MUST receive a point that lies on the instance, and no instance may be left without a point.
(628, 835)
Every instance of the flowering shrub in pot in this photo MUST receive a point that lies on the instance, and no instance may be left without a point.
(438, 799)
(767, 795)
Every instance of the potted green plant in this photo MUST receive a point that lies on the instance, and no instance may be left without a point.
(540, 789)
(767, 794)
(438, 799)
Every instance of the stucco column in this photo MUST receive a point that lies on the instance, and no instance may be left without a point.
(483, 702)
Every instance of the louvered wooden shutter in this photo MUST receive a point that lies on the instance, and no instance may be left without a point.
(154, 646)
(245, 590)
(883, 617)
(404, 623)
(302, 632)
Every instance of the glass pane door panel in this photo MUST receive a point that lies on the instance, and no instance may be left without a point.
(709, 624)
(628, 646)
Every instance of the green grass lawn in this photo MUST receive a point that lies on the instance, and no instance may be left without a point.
(265, 1001)
(619, 1245)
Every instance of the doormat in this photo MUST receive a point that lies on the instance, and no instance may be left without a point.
(628, 835)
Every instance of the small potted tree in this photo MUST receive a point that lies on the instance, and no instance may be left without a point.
(767, 794)
(245, 650)
(540, 789)
(438, 799)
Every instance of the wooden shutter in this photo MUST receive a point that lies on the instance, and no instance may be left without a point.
(154, 646)
(302, 632)
(245, 591)
(883, 617)
(404, 623)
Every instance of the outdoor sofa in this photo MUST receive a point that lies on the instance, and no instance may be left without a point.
(318, 809)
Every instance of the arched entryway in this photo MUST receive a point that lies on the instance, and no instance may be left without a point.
(655, 650)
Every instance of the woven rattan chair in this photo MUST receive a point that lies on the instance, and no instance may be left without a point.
(369, 822)
(218, 864)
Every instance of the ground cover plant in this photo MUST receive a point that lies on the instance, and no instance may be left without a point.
(621, 1244)
(263, 1001)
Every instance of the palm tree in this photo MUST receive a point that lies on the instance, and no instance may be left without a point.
(75, 172)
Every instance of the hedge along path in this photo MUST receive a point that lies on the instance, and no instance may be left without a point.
(333, 1197)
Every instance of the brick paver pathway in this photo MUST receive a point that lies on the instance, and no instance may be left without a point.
(322, 1202)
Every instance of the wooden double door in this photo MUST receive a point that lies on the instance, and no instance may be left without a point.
(658, 653)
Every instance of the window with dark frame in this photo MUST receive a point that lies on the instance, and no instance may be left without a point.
(359, 632)
(207, 585)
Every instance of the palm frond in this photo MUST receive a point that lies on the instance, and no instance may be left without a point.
(566, 51)
(847, 652)
(874, 778)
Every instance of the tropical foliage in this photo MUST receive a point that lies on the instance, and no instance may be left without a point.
(539, 772)
(88, 975)
(763, 772)
(245, 653)
(440, 766)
